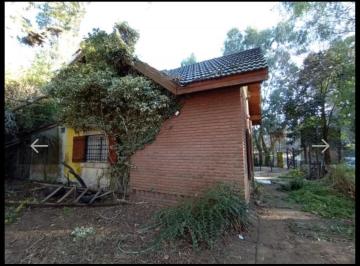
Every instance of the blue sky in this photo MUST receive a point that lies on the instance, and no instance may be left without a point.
(169, 32)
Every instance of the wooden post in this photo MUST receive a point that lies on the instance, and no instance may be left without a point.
(317, 164)
(287, 158)
(293, 157)
(310, 162)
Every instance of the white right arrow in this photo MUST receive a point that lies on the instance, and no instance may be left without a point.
(321, 146)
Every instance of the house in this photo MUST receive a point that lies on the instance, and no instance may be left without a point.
(208, 141)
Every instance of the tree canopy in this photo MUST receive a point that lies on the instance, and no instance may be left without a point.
(189, 60)
(297, 97)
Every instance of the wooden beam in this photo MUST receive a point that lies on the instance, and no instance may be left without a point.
(52, 194)
(47, 204)
(237, 79)
(66, 195)
(156, 76)
(95, 197)
(254, 99)
(82, 194)
(255, 117)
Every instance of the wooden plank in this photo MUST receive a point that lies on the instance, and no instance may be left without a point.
(66, 194)
(237, 79)
(156, 76)
(104, 194)
(52, 194)
(82, 194)
(48, 204)
(56, 185)
(95, 197)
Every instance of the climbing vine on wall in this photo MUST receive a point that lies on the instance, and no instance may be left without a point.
(100, 91)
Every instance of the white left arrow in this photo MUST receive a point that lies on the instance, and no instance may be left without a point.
(33, 146)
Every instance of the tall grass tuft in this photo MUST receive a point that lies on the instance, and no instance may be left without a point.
(342, 178)
(204, 219)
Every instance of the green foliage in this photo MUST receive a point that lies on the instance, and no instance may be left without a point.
(294, 184)
(342, 178)
(295, 173)
(188, 61)
(12, 213)
(321, 21)
(21, 92)
(324, 96)
(202, 220)
(319, 198)
(67, 211)
(45, 21)
(100, 91)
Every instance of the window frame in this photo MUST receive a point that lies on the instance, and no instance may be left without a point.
(98, 157)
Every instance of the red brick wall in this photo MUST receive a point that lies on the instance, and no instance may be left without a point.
(203, 145)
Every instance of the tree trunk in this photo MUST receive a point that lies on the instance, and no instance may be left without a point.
(325, 134)
(305, 154)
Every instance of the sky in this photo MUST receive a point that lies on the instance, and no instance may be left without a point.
(169, 32)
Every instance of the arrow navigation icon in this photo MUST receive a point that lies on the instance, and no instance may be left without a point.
(33, 146)
(326, 146)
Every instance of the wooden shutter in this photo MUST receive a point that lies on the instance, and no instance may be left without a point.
(79, 149)
(112, 151)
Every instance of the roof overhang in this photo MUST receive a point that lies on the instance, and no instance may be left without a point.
(155, 75)
(246, 78)
(256, 76)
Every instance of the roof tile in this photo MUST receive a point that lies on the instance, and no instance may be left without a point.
(227, 65)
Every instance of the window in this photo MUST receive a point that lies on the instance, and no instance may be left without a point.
(96, 148)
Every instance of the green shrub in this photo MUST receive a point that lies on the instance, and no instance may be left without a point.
(342, 178)
(294, 184)
(203, 219)
(295, 173)
(320, 198)
(12, 213)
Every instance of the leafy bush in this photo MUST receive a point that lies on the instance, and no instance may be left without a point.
(294, 184)
(342, 178)
(320, 198)
(295, 173)
(12, 213)
(258, 191)
(202, 220)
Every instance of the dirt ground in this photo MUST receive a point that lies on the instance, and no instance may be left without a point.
(279, 233)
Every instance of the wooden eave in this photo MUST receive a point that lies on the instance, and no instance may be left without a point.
(237, 79)
(156, 76)
(254, 100)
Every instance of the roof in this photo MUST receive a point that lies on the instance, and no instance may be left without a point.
(227, 65)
